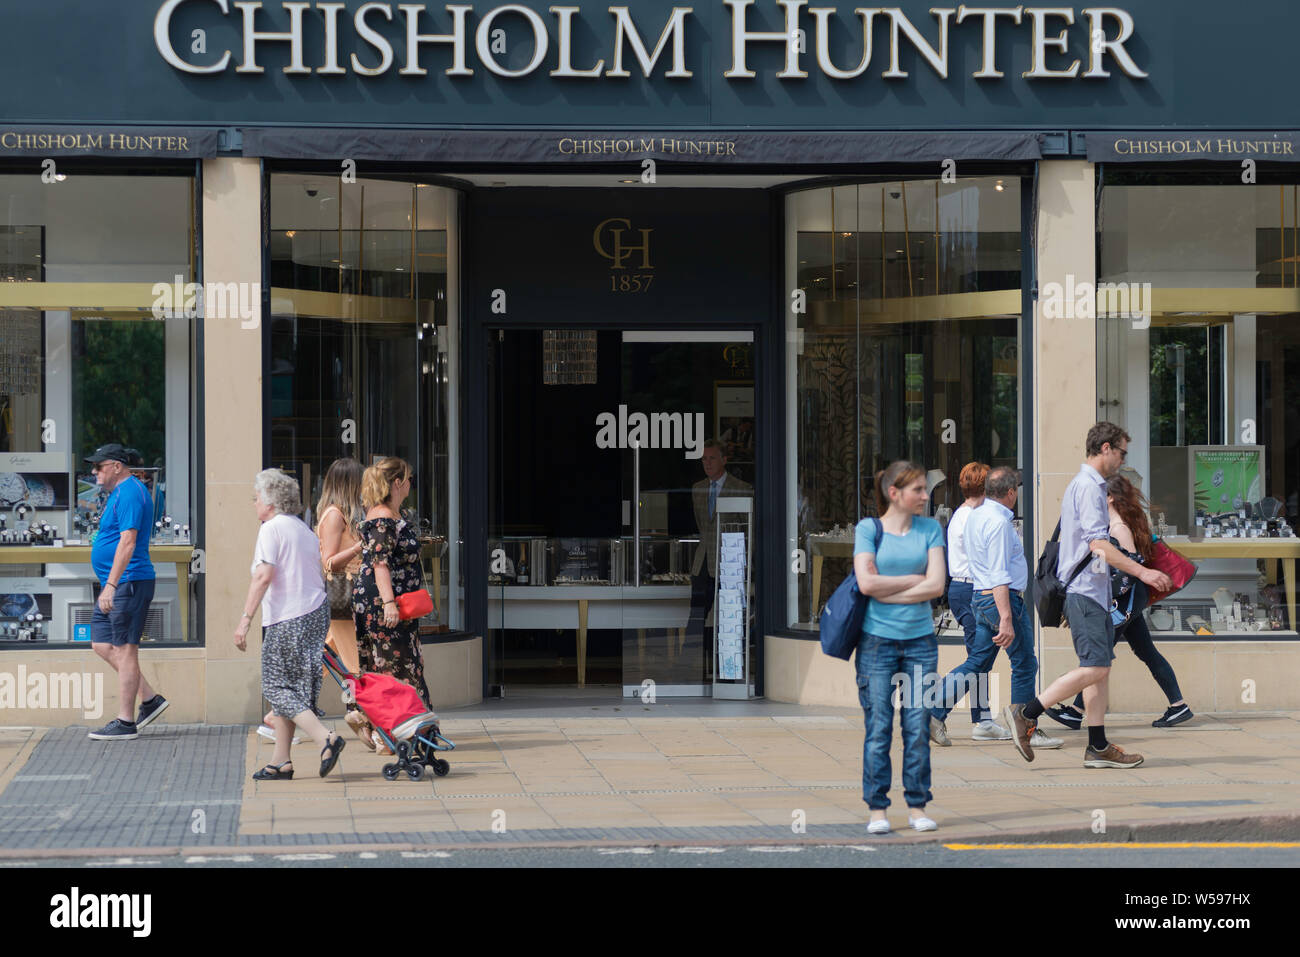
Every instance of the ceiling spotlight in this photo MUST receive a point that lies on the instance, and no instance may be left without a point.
(627, 181)
(999, 187)
(290, 233)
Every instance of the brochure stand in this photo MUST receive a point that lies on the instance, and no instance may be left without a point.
(732, 605)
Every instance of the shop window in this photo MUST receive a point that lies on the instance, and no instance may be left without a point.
(90, 356)
(364, 348)
(908, 348)
(1204, 380)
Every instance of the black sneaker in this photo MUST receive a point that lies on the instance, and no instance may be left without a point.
(1066, 716)
(1174, 715)
(115, 730)
(151, 709)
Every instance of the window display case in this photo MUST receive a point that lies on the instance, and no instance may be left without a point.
(596, 562)
(76, 374)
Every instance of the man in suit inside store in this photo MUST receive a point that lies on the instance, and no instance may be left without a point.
(717, 483)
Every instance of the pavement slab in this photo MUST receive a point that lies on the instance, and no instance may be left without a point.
(633, 776)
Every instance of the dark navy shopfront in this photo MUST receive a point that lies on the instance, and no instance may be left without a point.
(572, 261)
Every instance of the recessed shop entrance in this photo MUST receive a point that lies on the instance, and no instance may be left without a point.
(613, 456)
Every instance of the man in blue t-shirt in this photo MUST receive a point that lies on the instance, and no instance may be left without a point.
(120, 558)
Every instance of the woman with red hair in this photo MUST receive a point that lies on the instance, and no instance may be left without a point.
(960, 589)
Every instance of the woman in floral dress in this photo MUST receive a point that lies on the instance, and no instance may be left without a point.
(390, 566)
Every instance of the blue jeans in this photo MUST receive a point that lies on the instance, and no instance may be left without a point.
(959, 596)
(1024, 665)
(882, 663)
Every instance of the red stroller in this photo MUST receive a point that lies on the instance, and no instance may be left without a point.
(398, 716)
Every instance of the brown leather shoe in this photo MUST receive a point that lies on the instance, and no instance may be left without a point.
(1022, 729)
(1112, 757)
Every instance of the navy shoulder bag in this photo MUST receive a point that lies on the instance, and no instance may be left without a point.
(841, 619)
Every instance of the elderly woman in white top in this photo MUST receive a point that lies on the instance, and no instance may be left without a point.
(296, 618)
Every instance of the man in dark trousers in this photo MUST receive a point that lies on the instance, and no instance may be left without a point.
(120, 558)
(716, 484)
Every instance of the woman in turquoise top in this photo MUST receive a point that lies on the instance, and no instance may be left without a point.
(900, 576)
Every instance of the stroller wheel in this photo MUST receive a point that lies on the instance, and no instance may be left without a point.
(440, 767)
(415, 772)
(391, 771)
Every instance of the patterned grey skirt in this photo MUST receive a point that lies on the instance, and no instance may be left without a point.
(292, 659)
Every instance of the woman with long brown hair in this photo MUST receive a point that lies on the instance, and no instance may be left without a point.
(899, 563)
(338, 522)
(1130, 531)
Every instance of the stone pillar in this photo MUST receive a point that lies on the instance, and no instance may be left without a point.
(1065, 358)
(232, 401)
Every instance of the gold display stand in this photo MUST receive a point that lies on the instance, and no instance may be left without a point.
(178, 555)
(1272, 550)
(819, 549)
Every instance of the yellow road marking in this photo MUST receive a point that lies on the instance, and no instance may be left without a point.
(1116, 844)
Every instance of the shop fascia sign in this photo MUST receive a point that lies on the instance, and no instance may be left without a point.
(392, 34)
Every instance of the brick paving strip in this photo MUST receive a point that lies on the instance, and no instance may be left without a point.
(630, 781)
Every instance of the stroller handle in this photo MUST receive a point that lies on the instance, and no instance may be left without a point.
(338, 671)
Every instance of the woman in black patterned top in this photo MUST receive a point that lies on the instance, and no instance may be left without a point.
(390, 566)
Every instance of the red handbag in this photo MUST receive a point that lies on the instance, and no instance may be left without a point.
(414, 604)
(1179, 569)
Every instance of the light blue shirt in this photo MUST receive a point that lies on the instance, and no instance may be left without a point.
(899, 555)
(994, 550)
(1084, 520)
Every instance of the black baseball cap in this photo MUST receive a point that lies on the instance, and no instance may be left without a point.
(112, 452)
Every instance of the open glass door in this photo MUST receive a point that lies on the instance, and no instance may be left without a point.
(686, 426)
(609, 452)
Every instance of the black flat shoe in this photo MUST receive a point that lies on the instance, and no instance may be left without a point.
(1066, 716)
(273, 772)
(330, 755)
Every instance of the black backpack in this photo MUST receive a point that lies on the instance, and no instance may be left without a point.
(1049, 591)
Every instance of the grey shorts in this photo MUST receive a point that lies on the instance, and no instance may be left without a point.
(1091, 630)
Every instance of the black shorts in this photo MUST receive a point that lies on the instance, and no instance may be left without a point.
(1091, 630)
(125, 623)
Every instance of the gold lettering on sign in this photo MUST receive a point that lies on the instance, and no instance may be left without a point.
(108, 142)
(628, 146)
(620, 252)
(1195, 147)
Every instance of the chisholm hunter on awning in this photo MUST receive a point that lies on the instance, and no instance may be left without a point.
(380, 30)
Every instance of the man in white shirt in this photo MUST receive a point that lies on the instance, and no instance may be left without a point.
(971, 480)
(1000, 573)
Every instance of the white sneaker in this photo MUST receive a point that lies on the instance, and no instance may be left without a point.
(923, 823)
(939, 733)
(268, 732)
(989, 730)
(1041, 741)
(878, 827)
